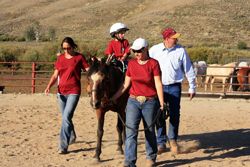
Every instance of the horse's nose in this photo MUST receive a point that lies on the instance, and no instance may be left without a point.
(95, 104)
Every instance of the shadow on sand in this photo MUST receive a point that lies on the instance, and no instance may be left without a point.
(236, 143)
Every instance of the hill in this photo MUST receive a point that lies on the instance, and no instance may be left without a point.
(202, 22)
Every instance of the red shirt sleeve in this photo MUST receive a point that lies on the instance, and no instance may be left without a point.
(109, 50)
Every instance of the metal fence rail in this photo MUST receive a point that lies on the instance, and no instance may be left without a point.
(33, 77)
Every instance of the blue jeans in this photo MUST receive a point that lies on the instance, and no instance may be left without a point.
(135, 111)
(172, 96)
(67, 105)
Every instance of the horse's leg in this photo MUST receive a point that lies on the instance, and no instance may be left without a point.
(100, 117)
(225, 83)
(196, 80)
(211, 84)
(202, 80)
(121, 131)
(230, 83)
(240, 80)
(245, 81)
(206, 82)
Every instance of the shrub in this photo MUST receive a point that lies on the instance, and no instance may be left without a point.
(29, 34)
(7, 37)
(49, 51)
(198, 54)
(241, 45)
(52, 33)
(31, 55)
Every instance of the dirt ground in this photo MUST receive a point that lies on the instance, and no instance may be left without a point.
(213, 132)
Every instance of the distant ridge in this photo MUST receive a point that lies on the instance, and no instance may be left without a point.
(211, 22)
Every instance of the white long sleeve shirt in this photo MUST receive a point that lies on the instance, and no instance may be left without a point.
(174, 63)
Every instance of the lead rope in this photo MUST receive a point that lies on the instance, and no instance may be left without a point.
(154, 121)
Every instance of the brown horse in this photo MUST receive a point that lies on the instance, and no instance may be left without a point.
(103, 81)
(243, 78)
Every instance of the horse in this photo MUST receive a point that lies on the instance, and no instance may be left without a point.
(243, 78)
(103, 82)
(200, 69)
(240, 77)
(219, 72)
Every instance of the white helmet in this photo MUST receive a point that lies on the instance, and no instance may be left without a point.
(117, 27)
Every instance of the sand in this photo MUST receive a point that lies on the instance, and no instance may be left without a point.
(213, 132)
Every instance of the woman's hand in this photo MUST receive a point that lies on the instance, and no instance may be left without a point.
(46, 91)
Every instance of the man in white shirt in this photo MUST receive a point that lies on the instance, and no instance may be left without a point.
(174, 63)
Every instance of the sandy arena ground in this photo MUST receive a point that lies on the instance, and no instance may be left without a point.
(213, 132)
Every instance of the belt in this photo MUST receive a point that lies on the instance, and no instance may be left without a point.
(142, 99)
(174, 84)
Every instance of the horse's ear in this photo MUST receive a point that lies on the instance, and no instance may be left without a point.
(103, 59)
(92, 60)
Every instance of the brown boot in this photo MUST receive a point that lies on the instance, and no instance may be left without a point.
(161, 149)
(173, 146)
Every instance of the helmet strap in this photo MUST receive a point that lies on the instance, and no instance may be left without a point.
(116, 37)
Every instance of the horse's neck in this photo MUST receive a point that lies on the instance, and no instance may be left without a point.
(116, 79)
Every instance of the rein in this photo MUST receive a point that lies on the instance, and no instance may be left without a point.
(159, 113)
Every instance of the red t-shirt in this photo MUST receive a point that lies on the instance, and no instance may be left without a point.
(142, 77)
(118, 48)
(70, 73)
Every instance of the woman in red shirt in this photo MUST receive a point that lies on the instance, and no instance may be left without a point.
(68, 74)
(143, 79)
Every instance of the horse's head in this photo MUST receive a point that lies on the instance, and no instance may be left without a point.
(103, 81)
(98, 83)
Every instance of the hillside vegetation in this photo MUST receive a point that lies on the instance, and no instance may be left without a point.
(210, 23)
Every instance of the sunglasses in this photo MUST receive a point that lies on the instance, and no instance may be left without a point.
(138, 51)
(68, 48)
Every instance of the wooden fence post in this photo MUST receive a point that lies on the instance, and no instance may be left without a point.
(33, 80)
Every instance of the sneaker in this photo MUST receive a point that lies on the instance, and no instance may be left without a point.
(125, 164)
(150, 163)
(161, 149)
(173, 146)
(62, 151)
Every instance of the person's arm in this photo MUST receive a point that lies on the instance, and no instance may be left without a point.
(109, 59)
(190, 75)
(159, 90)
(52, 81)
(122, 89)
(124, 57)
(127, 50)
(87, 69)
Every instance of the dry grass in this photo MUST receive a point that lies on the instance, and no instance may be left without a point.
(211, 22)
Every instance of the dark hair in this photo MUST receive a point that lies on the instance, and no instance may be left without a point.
(70, 41)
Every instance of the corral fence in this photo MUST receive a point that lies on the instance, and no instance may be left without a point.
(33, 77)
(26, 77)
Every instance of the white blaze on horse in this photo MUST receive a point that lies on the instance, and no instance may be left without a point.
(200, 69)
(222, 73)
